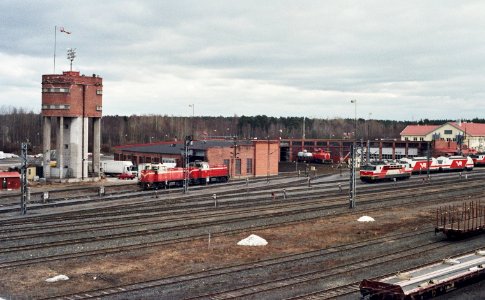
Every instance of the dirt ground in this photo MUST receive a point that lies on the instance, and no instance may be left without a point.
(198, 255)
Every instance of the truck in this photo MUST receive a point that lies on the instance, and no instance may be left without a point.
(117, 167)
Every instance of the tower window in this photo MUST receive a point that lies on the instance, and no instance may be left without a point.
(55, 90)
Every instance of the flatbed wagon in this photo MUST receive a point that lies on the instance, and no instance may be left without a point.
(461, 221)
(428, 281)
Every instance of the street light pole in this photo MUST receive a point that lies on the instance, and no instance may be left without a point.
(353, 192)
(368, 140)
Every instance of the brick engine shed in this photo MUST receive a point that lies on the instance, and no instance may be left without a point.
(244, 158)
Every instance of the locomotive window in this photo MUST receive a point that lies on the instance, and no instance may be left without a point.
(448, 131)
(368, 168)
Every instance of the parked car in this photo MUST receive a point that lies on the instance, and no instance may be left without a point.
(126, 176)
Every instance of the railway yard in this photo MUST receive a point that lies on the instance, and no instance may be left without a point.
(124, 243)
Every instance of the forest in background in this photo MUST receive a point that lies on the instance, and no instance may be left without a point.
(18, 125)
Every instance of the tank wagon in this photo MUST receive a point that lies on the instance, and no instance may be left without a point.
(197, 173)
(380, 171)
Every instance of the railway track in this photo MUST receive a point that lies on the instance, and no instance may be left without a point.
(134, 193)
(260, 290)
(303, 201)
(295, 258)
(72, 193)
(171, 216)
(188, 226)
(233, 199)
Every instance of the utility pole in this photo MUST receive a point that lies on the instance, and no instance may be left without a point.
(23, 180)
(235, 154)
(428, 157)
(361, 151)
(368, 140)
(353, 191)
(368, 152)
(303, 133)
(192, 122)
(187, 142)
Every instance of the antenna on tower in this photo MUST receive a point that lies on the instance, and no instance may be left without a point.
(71, 54)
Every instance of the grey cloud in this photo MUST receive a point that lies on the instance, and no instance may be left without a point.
(236, 53)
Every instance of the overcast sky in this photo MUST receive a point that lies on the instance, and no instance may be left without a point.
(402, 60)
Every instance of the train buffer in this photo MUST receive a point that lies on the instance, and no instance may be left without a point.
(462, 220)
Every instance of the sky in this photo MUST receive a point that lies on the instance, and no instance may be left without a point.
(400, 60)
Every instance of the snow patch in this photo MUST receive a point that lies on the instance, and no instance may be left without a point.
(253, 240)
(366, 219)
(57, 278)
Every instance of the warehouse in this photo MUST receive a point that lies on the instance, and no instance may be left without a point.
(244, 158)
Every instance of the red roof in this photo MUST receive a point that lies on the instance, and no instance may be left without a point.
(475, 129)
(418, 129)
(9, 174)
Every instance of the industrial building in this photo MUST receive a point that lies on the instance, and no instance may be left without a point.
(340, 148)
(244, 158)
(71, 101)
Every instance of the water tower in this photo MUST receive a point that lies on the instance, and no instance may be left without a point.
(70, 100)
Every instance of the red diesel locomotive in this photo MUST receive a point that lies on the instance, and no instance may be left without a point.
(197, 173)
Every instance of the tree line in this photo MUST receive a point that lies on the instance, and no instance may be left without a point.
(18, 125)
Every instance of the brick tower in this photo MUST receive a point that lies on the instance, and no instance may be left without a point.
(71, 99)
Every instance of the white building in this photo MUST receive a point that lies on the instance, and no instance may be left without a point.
(472, 134)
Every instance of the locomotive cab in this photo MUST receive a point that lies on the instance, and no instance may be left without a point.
(202, 165)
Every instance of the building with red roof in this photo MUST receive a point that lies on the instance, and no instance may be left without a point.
(472, 135)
